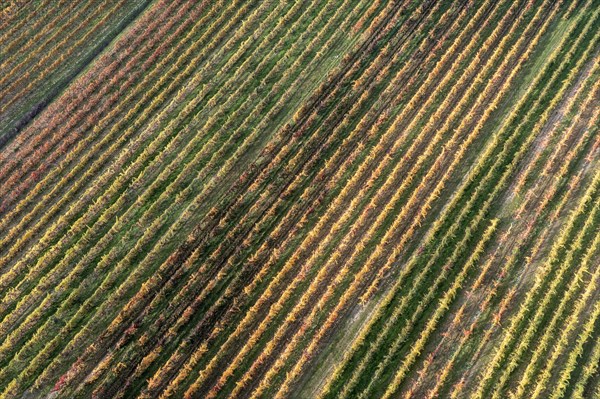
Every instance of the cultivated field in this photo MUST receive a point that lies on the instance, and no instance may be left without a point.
(300, 199)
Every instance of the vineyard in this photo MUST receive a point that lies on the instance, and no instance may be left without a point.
(300, 199)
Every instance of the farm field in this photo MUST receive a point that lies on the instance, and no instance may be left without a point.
(300, 199)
